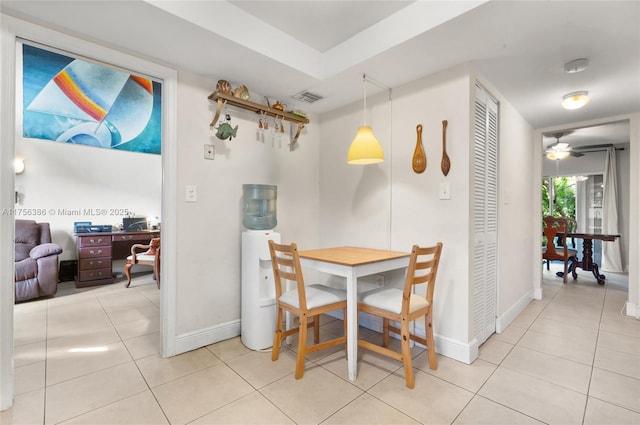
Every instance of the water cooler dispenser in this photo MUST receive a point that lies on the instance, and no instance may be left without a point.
(258, 314)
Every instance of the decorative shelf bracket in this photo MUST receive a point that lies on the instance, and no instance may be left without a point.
(225, 99)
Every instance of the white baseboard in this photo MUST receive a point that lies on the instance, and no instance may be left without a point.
(203, 337)
(632, 310)
(505, 319)
(537, 293)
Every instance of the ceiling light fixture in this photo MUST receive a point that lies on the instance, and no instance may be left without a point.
(575, 100)
(557, 155)
(365, 148)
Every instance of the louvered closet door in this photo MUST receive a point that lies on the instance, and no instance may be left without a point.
(484, 270)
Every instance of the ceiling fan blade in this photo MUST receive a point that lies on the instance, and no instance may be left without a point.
(602, 146)
(576, 154)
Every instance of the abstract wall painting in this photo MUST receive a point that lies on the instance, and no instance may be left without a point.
(72, 100)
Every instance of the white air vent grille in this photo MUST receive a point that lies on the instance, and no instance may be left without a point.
(307, 96)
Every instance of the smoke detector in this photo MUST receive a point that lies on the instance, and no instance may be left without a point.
(576, 65)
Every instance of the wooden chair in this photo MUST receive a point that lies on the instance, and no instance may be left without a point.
(556, 248)
(306, 302)
(151, 257)
(403, 305)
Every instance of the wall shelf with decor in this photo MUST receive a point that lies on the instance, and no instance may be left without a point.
(225, 99)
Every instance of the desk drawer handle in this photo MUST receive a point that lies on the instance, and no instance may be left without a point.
(126, 237)
(91, 263)
(98, 252)
(96, 274)
(95, 241)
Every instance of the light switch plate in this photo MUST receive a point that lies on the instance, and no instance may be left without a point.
(445, 190)
(209, 151)
(190, 194)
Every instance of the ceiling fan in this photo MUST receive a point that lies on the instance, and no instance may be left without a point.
(561, 150)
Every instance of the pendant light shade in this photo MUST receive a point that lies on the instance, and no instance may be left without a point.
(365, 148)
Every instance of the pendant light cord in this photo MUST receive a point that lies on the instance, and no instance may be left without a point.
(364, 112)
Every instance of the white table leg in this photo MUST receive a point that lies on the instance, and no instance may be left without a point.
(352, 325)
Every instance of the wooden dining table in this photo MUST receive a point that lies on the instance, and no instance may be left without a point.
(352, 263)
(587, 263)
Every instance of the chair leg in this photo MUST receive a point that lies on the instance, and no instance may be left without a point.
(302, 345)
(566, 269)
(156, 274)
(277, 336)
(406, 353)
(127, 272)
(344, 329)
(385, 332)
(431, 348)
(316, 329)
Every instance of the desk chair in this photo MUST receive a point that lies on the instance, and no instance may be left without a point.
(306, 302)
(403, 305)
(559, 250)
(151, 258)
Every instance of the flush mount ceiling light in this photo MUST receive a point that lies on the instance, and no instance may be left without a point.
(365, 148)
(575, 100)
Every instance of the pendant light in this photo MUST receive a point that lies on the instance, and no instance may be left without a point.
(365, 148)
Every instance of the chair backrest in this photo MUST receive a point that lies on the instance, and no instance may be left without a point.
(286, 267)
(553, 226)
(423, 268)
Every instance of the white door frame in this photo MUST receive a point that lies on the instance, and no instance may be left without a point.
(632, 306)
(10, 30)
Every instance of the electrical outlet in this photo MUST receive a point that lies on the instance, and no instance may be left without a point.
(209, 151)
(380, 279)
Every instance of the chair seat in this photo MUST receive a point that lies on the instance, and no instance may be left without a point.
(390, 299)
(316, 295)
(142, 257)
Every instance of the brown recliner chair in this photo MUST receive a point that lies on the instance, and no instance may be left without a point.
(36, 262)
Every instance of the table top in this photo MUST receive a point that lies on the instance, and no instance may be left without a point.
(599, 236)
(351, 256)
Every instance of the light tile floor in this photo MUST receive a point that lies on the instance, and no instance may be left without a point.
(92, 357)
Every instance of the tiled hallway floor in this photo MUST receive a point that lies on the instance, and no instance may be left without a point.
(92, 358)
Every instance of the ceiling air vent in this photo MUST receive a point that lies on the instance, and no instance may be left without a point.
(307, 96)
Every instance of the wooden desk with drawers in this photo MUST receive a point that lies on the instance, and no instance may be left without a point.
(96, 252)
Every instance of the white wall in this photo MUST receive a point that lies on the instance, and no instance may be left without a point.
(209, 230)
(387, 205)
(61, 179)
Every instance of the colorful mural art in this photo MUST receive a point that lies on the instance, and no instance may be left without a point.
(71, 100)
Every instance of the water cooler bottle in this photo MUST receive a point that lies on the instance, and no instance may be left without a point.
(258, 315)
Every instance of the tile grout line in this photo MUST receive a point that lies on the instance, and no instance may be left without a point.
(593, 361)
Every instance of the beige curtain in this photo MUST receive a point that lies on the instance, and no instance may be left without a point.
(611, 257)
